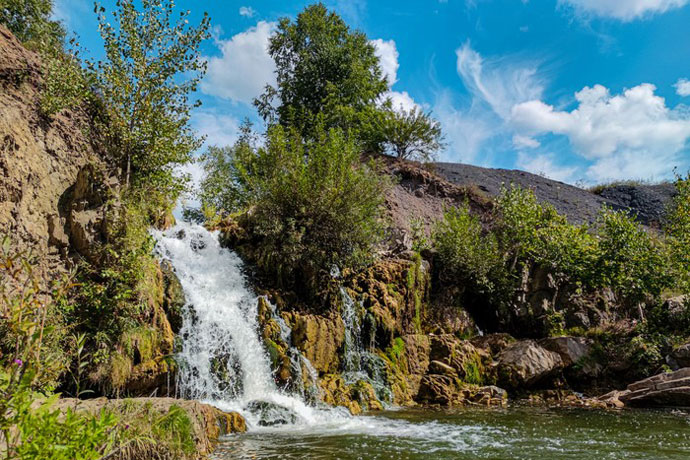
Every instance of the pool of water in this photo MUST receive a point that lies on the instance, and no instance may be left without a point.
(516, 433)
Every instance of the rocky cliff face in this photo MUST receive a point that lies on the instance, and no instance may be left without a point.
(58, 199)
(41, 160)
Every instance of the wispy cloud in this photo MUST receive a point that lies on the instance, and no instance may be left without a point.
(247, 11)
(683, 87)
(624, 10)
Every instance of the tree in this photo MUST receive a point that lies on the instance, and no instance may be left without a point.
(313, 204)
(151, 68)
(326, 73)
(30, 21)
(411, 134)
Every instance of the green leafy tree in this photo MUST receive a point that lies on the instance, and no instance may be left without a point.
(152, 67)
(312, 204)
(326, 73)
(30, 21)
(411, 134)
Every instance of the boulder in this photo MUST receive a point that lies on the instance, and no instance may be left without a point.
(670, 389)
(681, 355)
(570, 349)
(173, 297)
(676, 306)
(445, 390)
(525, 363)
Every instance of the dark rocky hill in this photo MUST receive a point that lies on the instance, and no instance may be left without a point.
(648, 202)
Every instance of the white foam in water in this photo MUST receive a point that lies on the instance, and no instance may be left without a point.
(220, 331)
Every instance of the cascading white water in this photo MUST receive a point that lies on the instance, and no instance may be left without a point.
(223, 360)
(358, 362)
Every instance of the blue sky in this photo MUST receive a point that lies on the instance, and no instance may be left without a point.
(577, 90)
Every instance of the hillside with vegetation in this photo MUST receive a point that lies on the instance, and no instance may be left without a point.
(462, 287)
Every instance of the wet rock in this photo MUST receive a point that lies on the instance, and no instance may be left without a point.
(336, 392)
(669, 389)
(525, 363)
(319, 338)
(173, 297)
(271, 414)
(448, 391)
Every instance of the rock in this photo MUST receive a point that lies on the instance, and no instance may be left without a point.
(173, 297)
(271, 414)
(613, 398)
(493, 343)
(445, 390)
(336, 392)
(417, 350)
(319, 338)
(525, 363)
(438, 389)
(676, 306)
(681, 355)
(668, 389)
(437, 367)
(570, 349)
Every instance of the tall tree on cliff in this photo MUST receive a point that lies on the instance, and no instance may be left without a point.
(326, 74)
(151, 68)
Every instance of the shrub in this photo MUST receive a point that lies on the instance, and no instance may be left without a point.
(313, 204)
(466, 253)
(630, 259)
(678, 229)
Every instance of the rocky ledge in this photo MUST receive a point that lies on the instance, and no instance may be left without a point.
(208, 423)
(671, 389)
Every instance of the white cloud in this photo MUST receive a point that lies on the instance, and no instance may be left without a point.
(388, 55)
(525, 142)
(544, 165)
(219, 129)
(401, 100)
(501, 83)
(633, 134)
(465, 130)
(247, 11)
(244, 68)
(625, 10)
(683, 87)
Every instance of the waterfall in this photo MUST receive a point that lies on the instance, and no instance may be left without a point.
(358, 362)
(222, 358)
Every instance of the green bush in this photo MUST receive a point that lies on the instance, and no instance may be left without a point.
(631, 260)
(678, 229)
(466, 253)
(313, 205)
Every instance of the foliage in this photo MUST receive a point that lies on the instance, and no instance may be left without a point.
(466, 253)
(678, 229)
(326, 73)
(313, 205)
(411, 134)
(221, 189)
(631, 260)
(147, 51)
(31, 430)
(30, 21)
